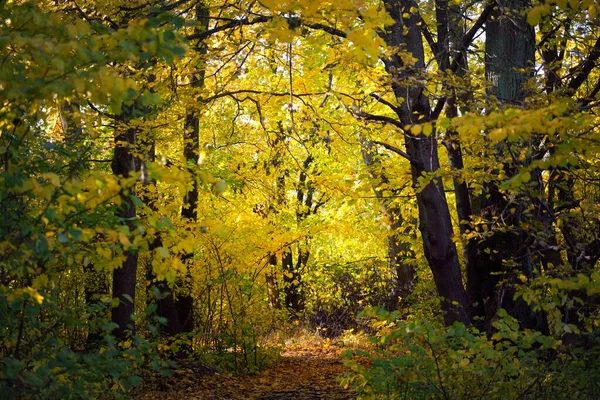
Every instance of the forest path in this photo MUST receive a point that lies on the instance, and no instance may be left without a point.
(306, 371)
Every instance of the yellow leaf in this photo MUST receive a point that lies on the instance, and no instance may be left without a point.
(164, 253)
(498, 134)
(535, 15)
(220, 186)
(124, 240)
(427, 129)
(40, 281)
(104, 252)
(177, 265)
(188, 244)
(416, 129)
(33, 294)
(574, 4)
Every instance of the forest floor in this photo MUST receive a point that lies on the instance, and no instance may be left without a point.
(307, 370)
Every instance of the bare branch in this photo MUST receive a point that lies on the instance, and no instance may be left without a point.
(253, 91)
(466, 42)
(107, 114)
(376, 118)
(384, 102)
(583, 70)
(394, 149)
(233, 24)
(326, 28)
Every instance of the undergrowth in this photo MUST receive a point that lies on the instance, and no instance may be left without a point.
(422, 360)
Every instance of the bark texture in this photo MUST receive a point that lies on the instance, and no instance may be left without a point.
(435, 225)
(124, 165)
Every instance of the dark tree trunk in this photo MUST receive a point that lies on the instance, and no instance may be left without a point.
(450, 33)
(124, 164)
(166, 306)
(434, 216)
(509, 51)
(272, 284)
(292, 278)
(184, 302)
(509, 57)
(95, 287)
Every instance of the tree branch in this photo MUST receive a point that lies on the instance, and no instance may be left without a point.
(326, 28)
(466, 42)
(470, 35)
(376, 118)
(107, 114)
(433, 45)
(583, 70)
(264, 18)
(384, 102)
(233, 24)
(394, 149)
(253, 91)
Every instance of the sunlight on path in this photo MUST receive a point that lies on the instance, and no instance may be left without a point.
(307, 373)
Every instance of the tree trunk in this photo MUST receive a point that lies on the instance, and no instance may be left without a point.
(292, 278)
(272, 285)
(191, 149)
(509, 51)
(434, 216)
(124, 164)
(509, 57)
(450, 34)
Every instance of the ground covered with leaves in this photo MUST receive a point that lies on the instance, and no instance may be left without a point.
(307, 370)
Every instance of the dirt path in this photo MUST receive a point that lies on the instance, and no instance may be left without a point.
(302, 374)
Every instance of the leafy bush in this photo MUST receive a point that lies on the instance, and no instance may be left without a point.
(39, 364)
(419, 360)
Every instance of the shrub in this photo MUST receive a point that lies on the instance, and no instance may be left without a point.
(419, 360)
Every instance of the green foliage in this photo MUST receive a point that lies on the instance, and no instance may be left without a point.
(38, 363)
(59, 227)
(421, 360)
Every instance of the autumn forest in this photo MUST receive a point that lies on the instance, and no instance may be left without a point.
(375, 199)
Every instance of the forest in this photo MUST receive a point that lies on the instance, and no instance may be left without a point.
(374, 199)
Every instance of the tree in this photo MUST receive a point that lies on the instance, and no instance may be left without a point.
(302, 158)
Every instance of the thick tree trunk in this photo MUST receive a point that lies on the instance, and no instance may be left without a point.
(509, 51)
(124, 164)
(434, 216)
(450, 34)
(436, 230)
(509, 57)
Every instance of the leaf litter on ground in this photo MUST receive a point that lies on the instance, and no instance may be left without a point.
(308, 370)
